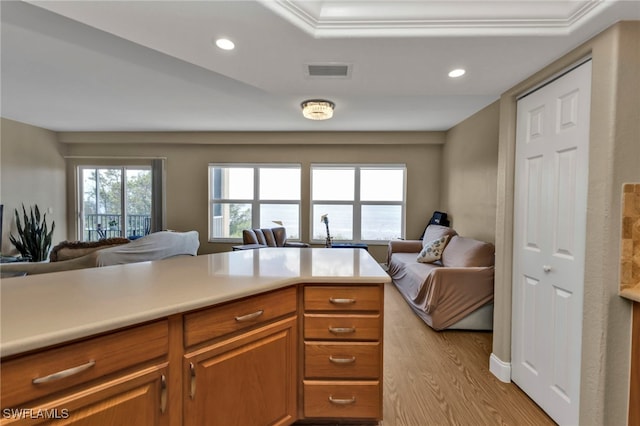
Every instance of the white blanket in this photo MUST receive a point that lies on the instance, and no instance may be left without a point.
(156, 246)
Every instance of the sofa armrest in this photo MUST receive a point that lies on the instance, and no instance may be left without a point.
(456, 292)
(32, 268)
(403, 246)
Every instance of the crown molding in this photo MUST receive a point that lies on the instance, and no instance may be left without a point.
(332, 19)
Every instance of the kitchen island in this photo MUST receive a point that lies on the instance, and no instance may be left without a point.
(267, 336)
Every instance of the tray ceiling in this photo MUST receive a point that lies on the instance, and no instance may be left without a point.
(153, 66)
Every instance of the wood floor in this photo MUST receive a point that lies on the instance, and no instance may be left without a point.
(443, 378)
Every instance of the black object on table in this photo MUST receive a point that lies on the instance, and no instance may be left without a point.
(350, 245)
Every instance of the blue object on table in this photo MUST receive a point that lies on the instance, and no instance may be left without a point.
(350, 245)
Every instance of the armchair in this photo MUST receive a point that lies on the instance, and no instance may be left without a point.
(268, 237)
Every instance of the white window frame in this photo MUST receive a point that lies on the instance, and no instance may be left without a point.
(357, 203)
(255, 201)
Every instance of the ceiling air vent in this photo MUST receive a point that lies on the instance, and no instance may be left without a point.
(328, 70)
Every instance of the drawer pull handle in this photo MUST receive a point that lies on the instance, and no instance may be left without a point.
(349, 360)
(192, 390)
(64, 373)
(342, 330)
(250, 317)
(337, 301)
(341, 401)
(163, 394)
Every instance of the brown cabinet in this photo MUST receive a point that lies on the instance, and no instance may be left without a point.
(238, 363)
(211, 323)
(634, 391)
(247, 376)
(343, 352)
(112, 379)
(136, 398)
(245, 380)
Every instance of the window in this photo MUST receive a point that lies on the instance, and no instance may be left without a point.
(115, 202)
(363, 202)
(253, 196)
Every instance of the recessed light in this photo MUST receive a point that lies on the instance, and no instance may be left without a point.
(225, 44)
(459, 72)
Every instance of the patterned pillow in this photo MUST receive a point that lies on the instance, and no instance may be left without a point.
(432, 250)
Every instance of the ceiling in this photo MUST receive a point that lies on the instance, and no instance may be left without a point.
(153, 66)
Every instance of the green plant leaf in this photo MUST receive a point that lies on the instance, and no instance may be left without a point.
(34, 238)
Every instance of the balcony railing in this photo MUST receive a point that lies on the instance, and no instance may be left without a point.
(101, 226)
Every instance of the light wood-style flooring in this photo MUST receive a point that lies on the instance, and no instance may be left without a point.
(442, 378)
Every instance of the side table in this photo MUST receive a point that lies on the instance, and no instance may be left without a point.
(13, 274)
(248, 247)
(350, 245)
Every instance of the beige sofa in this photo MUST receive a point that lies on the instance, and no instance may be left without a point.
(115, 251)
(455, 292)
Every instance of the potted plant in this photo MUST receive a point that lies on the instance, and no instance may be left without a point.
(34, 239)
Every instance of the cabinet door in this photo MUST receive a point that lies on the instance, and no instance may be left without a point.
(246, 380)
(138, 398)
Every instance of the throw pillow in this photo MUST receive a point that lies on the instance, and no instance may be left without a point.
(432, 250)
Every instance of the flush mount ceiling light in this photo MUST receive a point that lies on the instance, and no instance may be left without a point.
(459, 72)
(317, 109)
(225, 44)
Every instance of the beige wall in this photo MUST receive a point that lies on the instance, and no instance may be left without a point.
(32, 172)
(614, 158)
(469, 174)
(186, 166)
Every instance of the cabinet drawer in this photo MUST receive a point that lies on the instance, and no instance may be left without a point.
(220, 320)
(342, 327)
(134, 398)
(341, 360)
(342, 298)
(345, 399)
(76, 363)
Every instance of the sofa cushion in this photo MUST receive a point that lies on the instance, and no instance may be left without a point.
(249, 237)
(433, 232)
(463, 252)
(269, 237)
(432, 250)
(260, 236)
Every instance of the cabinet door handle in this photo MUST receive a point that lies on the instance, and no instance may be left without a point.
(338, 301)
(341, 401)
(163, 394)
(345, 360)
(64, 373)
(250, 317)
(192, 391)
(342, 330)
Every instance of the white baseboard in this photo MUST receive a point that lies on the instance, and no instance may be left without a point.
(500, 369)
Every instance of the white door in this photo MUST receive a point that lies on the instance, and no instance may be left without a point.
(552, 141)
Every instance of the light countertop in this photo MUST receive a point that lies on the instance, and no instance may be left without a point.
(46, 309)
(632, 293)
